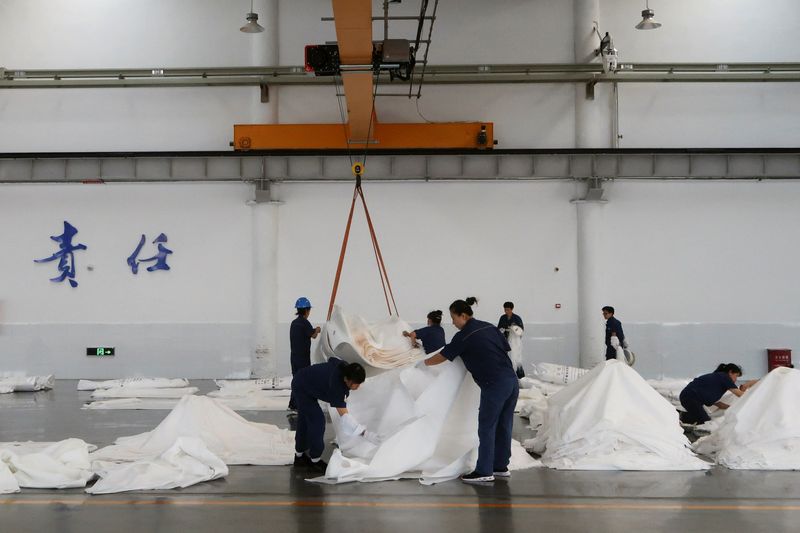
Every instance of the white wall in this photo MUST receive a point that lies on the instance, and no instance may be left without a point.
(191, 33)
(193, 320)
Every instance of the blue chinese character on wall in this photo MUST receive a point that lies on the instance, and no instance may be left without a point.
(65, 256)
(160, 258)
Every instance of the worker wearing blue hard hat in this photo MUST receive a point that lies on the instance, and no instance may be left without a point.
(300, 334)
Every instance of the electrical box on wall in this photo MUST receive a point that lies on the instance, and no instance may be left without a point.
(103, 351)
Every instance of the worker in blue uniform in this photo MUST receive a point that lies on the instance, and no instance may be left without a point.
(613, 329)
(330, 382)
(707, 390)
(432, 335)
(508, 319)
(484, 351)
(300, 334)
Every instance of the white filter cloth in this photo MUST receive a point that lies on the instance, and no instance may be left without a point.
(187, 462)
(44, 465)
(377, 346)
(143, 383)
(426, 420)
(611, 419)
(226, 434)
(138, 392)
(760, 431)
(18, 383)
(274, 383)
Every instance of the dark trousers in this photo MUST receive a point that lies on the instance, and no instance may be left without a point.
(495, 421)
(695, 413)
(298, 363)
(310, 425)
(611, 353)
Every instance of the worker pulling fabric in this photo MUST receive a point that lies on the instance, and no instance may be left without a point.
(431, 336)
(613, 329)
(484, 351)
(708, 389)
(329, 382)
(510, 325)
(300, 334)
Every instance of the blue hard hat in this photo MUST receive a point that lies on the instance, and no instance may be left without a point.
(302, 303)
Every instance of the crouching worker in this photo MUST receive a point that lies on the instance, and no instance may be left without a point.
(484, 351)
(707, 390)
(329, 382)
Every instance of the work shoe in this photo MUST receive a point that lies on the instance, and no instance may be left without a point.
(319, 465)
(502, 473)
(301, 461)
(474, 477)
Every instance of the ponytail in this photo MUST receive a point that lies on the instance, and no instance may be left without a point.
(463, 307)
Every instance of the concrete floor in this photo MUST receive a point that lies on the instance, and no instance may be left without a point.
(255, 498)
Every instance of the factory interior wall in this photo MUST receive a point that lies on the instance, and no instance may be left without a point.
(195, 33)
(700, 272)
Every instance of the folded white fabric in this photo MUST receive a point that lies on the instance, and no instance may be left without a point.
(560, 374)
(17, 383)
(57, 465)
(273, 383)
(187, 462)
(611, 419)
(761, 431)
(226, 434)
(144, 383)
(378, 346)
(139, 392)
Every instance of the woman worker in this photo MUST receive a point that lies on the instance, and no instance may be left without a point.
(431, 336)
(329, 382)
(707, 390)
(484, 351)
(300, 334)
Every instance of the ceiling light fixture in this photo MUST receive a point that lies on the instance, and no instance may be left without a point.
(647, 22)
(252, 25)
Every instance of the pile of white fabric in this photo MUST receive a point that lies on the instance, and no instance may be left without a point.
(271, 383)
(50, 465)
(193, 443)
(379, 346)
(426, 420)
(251, 395)
(761, 431)
(13, 382)
(611, 419)
(133, 383)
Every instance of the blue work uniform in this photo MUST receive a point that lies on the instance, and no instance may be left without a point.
(704, 390)
(300, 347)
(484, 351)
(431, 337)
(613, 326)
(323, 381)
(505, 323)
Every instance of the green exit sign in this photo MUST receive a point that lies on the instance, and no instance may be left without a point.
(100, 351)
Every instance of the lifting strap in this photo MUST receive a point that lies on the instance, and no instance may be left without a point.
(387, 287)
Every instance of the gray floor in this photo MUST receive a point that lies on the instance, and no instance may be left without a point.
(278, 499)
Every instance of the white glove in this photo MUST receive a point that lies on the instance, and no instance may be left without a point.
(351, 426)
(614, 341)
(516, 330)
(625, 343)
(421, 365)
(372, 437)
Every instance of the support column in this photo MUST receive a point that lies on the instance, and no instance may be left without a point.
(265, 288)
(592, 106)
(592, 259)
(266, 53)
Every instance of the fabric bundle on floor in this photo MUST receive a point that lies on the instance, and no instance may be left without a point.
(46, 465)
(273, 383)
(611, 419)
(378, 346)
(761, 431)
(138, 392)
(20, 383)
(142, 383)
(427, 422)
(187, 462)
(226, 434)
